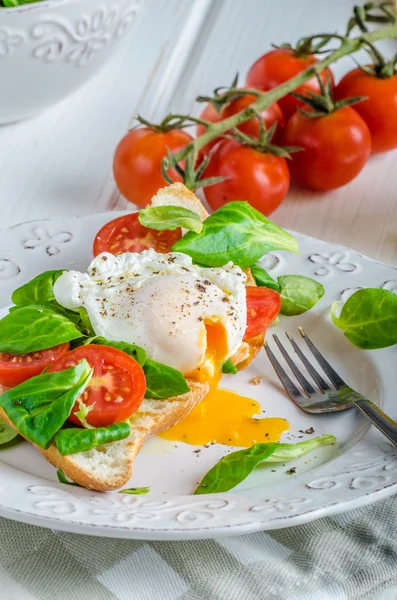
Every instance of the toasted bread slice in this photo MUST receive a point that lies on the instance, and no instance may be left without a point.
(178, 194)
(109, 467)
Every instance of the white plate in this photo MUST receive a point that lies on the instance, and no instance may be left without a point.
(362, 469)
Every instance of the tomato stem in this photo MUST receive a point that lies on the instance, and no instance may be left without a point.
(265, 99)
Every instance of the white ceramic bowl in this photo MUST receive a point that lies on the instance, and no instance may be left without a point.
(49, 49)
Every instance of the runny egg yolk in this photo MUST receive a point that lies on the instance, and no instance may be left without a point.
(223, 416)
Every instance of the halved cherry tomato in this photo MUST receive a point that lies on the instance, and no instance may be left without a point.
(17, 368)
(263, 306)
(379, 110)
(116, 389)
(279, 65)
(126, 234)
(137, 162)
(270, 116)
(260, 178)
(209, 114)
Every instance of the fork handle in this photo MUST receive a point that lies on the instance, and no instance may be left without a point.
(384, 423)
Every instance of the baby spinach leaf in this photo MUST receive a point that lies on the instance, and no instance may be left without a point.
(54, 307)
(235, 232)
(12, 3)
(228, 368)
(163, 381)
(263, 279)
(298, 294)
(369, 318)
(33, 328)
(37, 291)
(40, 290)
(73, 441)
(85, 323)
(63, 479)
(40, 406)
(170, 218)
(233, 468)
(136, 352)
(141, 491)
(7, 433)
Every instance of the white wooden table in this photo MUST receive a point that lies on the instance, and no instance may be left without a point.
(60, 163)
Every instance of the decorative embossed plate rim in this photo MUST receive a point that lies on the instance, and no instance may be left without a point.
(364, 471)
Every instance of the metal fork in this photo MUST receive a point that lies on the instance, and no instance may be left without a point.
(328, 398)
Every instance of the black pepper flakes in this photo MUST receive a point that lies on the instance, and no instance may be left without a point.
(307, 431)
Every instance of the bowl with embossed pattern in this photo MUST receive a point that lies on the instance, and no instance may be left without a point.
(49, 49)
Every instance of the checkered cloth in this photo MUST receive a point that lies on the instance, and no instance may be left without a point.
(342, 557)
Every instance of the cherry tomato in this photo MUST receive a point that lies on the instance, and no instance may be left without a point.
(126, 234)
(116, 389)
(17, 368)
(209, 114)
(137, 162)
(262, 179)
(263, 306)
(336, 148)
(270, 115)
(279, 65)
(379, 111)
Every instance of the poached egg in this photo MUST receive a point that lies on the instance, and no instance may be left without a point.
(184, 316)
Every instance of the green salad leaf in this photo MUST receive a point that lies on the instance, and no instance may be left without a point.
(163, 381)
(228, 368)
(40, 406)
(12, 3)
(63, 479)
(73, 440)
(298, 294)
(40, 290)
(236, 232)
(368, 318)
(136, 352)
(263, 279)
(33, 328)
(7, 433)
(84, 322)
(141, 491)
(37, 291)
(233, 468)
(170, 218)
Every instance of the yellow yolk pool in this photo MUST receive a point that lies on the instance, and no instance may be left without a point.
(223, 417)
(226, 418)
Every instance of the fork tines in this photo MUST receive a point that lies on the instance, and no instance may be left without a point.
(308, 388)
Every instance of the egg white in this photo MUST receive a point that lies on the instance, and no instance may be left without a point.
(161, 302)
